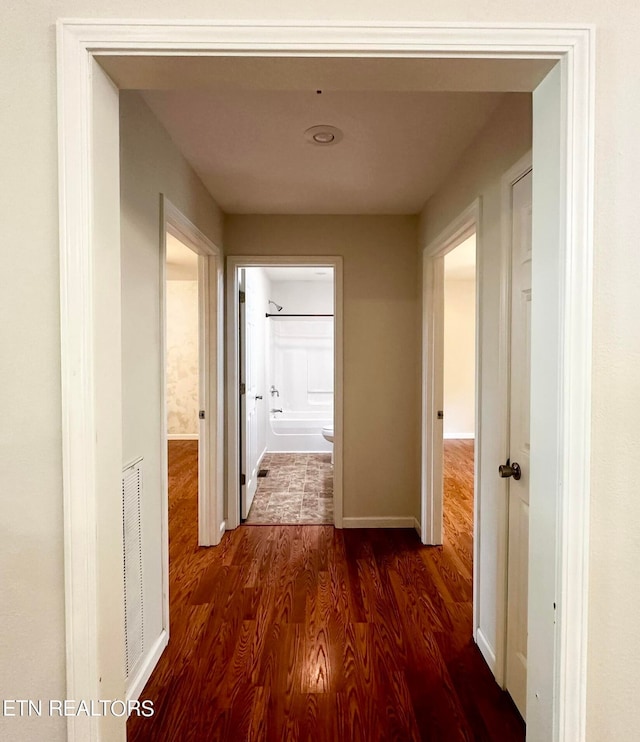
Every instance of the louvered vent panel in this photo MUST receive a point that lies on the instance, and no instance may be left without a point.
(132, 547)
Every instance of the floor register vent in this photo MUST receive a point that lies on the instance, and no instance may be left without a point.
(132, 552)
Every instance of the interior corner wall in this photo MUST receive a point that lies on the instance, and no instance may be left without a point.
(150, 165)
(381, 344)
(504, 140)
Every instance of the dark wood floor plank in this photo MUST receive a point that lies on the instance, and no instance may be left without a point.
(310, 634)
(318, 718)
(258, 724)
(401, 721)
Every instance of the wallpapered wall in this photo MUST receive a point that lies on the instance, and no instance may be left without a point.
(182, 358)
(459, 358)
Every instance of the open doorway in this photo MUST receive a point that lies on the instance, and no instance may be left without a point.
(285, 407)
(452, 366)
(459, 402)
(182, 359)
(287, 368)
(193, 355)
(459, 405)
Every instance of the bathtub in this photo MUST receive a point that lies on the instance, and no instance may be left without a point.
(298, 432)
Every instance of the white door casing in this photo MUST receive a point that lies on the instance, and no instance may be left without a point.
(235, 266)
(519, 443)
(89, 209)
(466, 224)
(250, 373)
(437, 431)
(206, 435)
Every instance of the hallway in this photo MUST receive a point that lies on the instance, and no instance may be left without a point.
(310, 633)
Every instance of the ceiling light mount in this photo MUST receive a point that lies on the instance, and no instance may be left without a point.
(323, 135)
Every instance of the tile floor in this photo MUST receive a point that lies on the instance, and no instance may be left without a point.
(297, 490)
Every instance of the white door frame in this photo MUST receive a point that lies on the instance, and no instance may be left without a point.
(433, 254)
(90, 336)
(234, 263)
(210, 380)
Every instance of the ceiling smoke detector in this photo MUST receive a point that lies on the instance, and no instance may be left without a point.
(323, 135)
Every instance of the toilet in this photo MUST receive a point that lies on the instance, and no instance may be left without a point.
(327, 434)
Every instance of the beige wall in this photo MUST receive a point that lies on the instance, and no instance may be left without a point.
(381, 344)
(31, 543)
(150, 165)
(459, 358)
(182, 358)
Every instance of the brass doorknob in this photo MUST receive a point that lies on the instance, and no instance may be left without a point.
(510, 470)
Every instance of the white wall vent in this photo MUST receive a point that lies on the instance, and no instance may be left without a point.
(132, 552)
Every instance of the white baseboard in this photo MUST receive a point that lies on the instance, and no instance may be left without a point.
(306, 450)
(418, 527)
(182, 436)
(144, 673)
(486, 650)
(459, 436)
(391, 522)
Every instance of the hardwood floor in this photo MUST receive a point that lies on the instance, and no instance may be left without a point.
(300, 633)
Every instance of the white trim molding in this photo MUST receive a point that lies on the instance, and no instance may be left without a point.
(182, 436)
(144, 673)
(89, 210)
(486, 649)
(397, 521)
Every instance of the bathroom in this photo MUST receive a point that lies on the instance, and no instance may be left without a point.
(287, 363)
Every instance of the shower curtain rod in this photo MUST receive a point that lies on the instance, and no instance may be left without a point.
(298, 315)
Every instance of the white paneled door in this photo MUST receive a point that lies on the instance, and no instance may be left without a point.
(518, 547)
(249, 373)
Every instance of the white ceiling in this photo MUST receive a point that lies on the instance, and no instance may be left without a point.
(240, 123)
(299, 273)
(460, 263)
(182, 263)
(248, 146)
